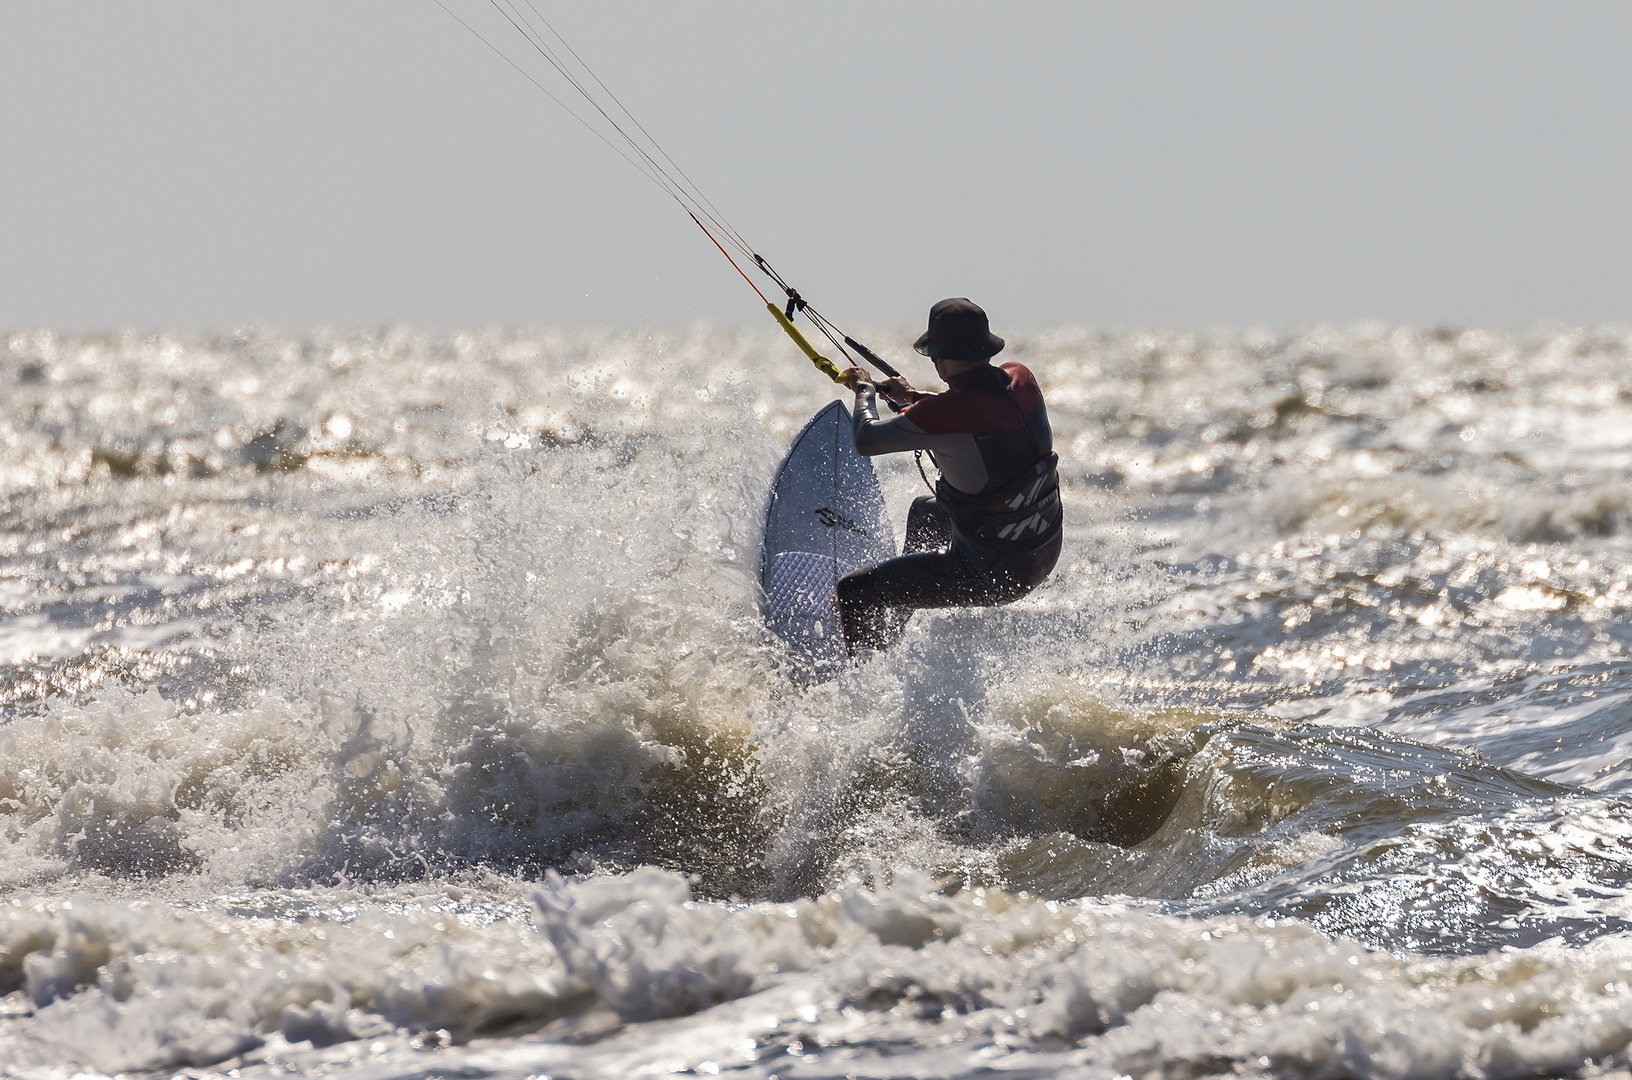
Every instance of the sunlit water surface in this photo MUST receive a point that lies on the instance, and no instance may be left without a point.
(397, 705)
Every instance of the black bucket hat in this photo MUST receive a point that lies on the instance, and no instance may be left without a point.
(958, 330)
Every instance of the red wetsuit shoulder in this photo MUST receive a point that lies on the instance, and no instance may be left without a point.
(1023, 385)
(964, 409)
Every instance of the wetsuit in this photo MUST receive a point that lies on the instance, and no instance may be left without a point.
(992, 531)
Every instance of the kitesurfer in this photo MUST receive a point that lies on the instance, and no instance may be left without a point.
(991, 533)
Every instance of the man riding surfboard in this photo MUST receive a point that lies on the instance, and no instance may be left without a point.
(991, 533)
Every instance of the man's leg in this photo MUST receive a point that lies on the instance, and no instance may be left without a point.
(929, 527)
(875, 603)
(875, 625)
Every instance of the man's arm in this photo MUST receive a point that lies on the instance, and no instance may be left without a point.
(874, 436)
(956, 454)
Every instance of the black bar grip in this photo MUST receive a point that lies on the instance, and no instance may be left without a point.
(871, 357)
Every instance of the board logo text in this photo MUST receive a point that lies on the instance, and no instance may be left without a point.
(830, 519)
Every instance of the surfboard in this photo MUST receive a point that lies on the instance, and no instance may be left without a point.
(824, 518)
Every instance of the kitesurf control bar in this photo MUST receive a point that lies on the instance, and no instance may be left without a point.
(871, 357)
(823, 364)
(798, 303)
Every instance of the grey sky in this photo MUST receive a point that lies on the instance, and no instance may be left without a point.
(198, 163)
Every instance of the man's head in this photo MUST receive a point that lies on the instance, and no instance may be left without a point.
(958, 331)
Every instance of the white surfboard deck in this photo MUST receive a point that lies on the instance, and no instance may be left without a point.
(825, 517)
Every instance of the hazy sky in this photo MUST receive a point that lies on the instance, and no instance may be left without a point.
(292, 162)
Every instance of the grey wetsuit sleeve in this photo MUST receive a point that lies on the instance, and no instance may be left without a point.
(956, 455)
(874, 436)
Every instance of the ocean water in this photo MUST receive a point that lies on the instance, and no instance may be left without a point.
(394, 704)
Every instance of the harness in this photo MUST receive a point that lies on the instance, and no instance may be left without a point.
(1017, 518)
(1019, 515)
